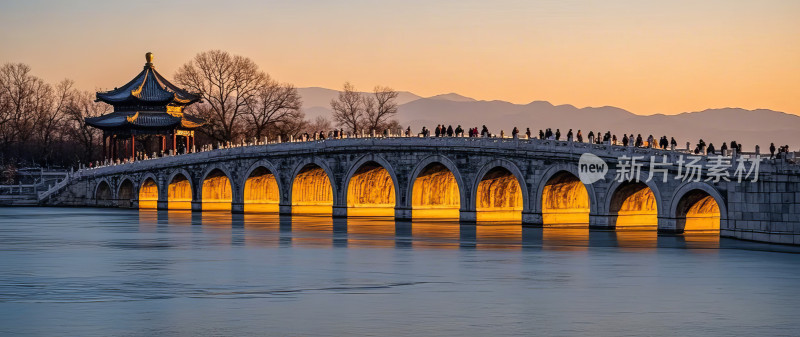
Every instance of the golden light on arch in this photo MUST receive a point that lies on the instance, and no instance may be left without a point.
(179, 193)
(499, 196)
(261, 193)
(634, 204)
(435, 193)
(148, 194)
(217, 193)
(312, 192)
(371, 192)
(700, 212)
(565, 201)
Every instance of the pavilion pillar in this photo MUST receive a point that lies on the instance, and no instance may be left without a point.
(187, 144)
(133, 147)
(163, 143)
(174, 142)
(105, 148)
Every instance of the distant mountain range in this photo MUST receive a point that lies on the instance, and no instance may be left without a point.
(748, 127)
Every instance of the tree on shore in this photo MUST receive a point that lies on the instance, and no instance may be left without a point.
(379, 108)
(371, 112)
(80, 106)
(43, 124)
(239, 100)
(348, 108)
(321, 123)
(273, 104)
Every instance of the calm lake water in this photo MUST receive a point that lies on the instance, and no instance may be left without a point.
(103, 272)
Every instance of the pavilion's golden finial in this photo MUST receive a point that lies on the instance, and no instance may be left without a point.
(149, 58)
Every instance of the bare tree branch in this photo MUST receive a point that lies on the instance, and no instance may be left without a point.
(227, 83)
(348, 108)
(272, 103)
(380, 108)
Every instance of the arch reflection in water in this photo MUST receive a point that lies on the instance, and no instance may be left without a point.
(371, 192)
(698, 211)
(217, 194)
(565, 238)
(371, 231)
(499, 197)
(148, 194)
(435, 234)
(435, 194)
(273, 230)
(565, 201)
(312, 192)
(179, 193)
(498, 236)
(309, 230)
(634, 205)
(220, 224)
(261, 193)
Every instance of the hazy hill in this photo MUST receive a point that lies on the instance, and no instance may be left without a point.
(749, 127)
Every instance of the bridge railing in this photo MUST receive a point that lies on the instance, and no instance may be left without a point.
(511, 140)
(52, 189)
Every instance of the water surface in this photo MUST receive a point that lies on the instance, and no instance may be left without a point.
(102, 272)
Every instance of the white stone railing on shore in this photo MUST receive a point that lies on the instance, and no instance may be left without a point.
(58, 186)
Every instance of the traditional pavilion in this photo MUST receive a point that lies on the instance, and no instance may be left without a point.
(147, 105)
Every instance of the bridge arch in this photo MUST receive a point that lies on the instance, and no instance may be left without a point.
(698, 206)
(149, 192)
(371, 187)
(103, 192)
(125, 192)
(313, 188)
(500, 192)
(179, 190)
(561, 191)
(262, 189)
(434, 196)
(217, 186)
(633, 204)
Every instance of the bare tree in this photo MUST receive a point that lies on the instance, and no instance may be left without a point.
(44, 124)
(227, 83)
(273, 103)
(50, 120)
(379, 108)
(319, 124)
(24, 98)
(348, 108)
(80, 106)
(289, 126)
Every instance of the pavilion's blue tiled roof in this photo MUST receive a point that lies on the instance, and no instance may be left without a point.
(148, 102)
(149, 88)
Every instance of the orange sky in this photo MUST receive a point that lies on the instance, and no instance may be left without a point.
(643, 56)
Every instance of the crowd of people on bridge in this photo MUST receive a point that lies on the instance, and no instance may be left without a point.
(627, 140)
(442, 130)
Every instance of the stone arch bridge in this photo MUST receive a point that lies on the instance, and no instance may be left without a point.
(532, 182)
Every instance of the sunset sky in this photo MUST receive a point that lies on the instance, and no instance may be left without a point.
(644, 56)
